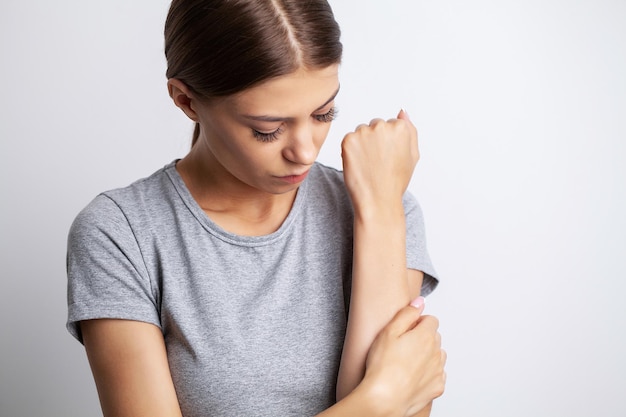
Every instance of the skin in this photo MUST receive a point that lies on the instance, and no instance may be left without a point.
(246, 182)
(233, 176)
(378, 160)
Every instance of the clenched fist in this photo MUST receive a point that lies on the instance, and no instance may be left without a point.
(378, 162)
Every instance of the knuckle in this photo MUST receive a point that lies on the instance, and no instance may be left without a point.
(439, 389)
(406, 126)
(378, 125)
(360, 128)
(350, 138)
(432, 321)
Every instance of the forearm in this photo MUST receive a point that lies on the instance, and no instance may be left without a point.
(363, 401)
(379, 286)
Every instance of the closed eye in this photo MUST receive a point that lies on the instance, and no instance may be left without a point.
(266, 137)
(327, 117)
(272, 136)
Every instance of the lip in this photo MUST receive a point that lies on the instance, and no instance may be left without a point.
(294, 179)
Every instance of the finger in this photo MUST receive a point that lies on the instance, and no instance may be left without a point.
(404, 115)
(418, 303)
(404, 320)
(376, 121)
(428, 324)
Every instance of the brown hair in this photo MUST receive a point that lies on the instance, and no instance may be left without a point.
(221, 47)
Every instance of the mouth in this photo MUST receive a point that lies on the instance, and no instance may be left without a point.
(294, 179)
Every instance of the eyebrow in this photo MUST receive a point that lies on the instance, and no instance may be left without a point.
(284, 119)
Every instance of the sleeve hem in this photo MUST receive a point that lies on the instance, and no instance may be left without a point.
(430, 282)
(78, 313)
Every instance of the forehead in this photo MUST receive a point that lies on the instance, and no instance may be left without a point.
(302, 90)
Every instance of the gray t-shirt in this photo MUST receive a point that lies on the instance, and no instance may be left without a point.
(253, 326)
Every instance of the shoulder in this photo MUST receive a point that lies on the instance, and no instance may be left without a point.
(143, 193)
(325, 179)
(100, 214)
(146, 190)
(328, 172)
(111, 211)
(327, 187)
(326, 198)
(414, 215)
(412, 207)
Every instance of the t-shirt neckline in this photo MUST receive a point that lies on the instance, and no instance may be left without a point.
(219, 232)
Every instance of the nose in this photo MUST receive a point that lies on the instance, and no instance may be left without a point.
(301, 148)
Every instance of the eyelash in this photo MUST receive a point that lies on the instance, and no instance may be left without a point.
(267, 137)
(327, 117)
(272, 136)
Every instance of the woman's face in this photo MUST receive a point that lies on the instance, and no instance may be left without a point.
(268, 136)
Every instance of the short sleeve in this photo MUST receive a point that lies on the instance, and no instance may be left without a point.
(417, 252)
(107, 277)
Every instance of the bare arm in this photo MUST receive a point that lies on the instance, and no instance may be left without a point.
(380, 288)
(129, 364)
(378, 163)
(400, 380)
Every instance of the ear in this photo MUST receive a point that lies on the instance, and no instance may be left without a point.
(183, 98)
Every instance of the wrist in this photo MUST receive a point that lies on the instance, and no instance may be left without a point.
(378, 398)
(363, 401)
(384, 212)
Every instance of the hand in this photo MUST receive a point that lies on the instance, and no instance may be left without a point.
(405, 364)
(378, 161)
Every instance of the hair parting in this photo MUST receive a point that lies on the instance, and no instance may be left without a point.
(222, 47)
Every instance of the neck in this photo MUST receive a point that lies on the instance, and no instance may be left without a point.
(233, 205)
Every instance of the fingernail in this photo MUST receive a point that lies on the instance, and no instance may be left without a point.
(406, 113)
(418, 302)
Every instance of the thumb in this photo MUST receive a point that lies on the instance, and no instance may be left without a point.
(418, 303)
(407, 318)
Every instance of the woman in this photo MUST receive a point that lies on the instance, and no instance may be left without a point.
(220, 285)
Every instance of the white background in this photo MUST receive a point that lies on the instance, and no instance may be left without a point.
(521, 109)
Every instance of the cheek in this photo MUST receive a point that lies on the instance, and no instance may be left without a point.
(321, 134)
(249, 153)
(231, 139)
(232, 146)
